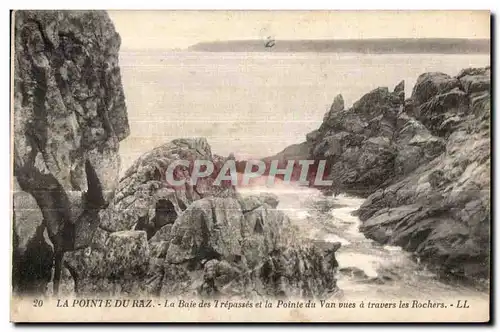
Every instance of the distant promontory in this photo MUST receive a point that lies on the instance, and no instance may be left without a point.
(380, 46)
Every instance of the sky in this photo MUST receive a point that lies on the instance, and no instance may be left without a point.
(180, 29)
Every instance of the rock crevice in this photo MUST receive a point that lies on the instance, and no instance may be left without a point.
(69, 116)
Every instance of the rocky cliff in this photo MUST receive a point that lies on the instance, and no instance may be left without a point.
(198, 239)
(69, 116)
(423, 164)
(81, 229)
(441, 210)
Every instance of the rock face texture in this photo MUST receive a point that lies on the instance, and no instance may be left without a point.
(146, 200)
(196, 239)
(78, 226)
(441, 210)
(245, 252)
(69, 116)
(423, 164)
(358, 143)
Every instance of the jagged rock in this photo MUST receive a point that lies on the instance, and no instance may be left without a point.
(209, 228)
(400, 91)
(145, 197)
(443, 112)
(217, 246)
(69, 116)
(354, 272)
(429, 85)
(400, 87)
(217, 249)
(338, 104)
(424, 162)
(357, 143)
(441, 210)
(415, 145)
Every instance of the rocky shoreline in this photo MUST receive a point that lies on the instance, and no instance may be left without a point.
(441, 210)
(423, 165)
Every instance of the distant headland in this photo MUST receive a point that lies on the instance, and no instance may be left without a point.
(381, 46)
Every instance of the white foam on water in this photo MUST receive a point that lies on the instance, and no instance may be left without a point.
(344, 214)
(365, 262)
(301, 214)
(392, 248)
(335, 238)
(406, 277)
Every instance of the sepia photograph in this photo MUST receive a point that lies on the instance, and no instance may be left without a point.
(250, 166)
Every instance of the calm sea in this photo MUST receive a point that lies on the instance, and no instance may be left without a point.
(254, 104)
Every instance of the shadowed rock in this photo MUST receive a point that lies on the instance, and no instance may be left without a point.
(441, 209)
(146, 200)
(424, 164)
(69, 115)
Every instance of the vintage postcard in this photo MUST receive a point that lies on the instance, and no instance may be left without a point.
(250, 166)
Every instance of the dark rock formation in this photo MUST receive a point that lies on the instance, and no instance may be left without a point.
(441, 210)
(400, 91)
(358, 143)
(424, 164)
(249, 253)
(151, 237)
(145, 200)
(69, 116)
(197, 239)
(368, 145)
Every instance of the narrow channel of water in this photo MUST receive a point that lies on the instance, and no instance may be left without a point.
(366, 269)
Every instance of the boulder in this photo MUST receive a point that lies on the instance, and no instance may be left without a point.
(219, 249)
(209, 228)
(353, 272)
(252, 202)
(112, 260)
(432, 84)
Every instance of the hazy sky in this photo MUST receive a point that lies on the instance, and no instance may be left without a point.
(179, 29)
